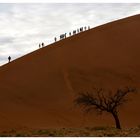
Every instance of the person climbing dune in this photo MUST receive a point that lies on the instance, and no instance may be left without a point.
(9, 59)
(39, 46)
(43, 45)
(55, 39)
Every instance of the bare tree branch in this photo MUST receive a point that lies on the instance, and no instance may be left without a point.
(102, 102)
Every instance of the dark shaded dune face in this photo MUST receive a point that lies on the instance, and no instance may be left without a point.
(38, 89)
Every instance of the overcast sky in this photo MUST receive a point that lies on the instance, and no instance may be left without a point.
(24, 26)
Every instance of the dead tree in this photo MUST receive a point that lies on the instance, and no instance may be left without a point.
(102, 101)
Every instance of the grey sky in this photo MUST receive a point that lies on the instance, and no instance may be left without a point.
(24, 26)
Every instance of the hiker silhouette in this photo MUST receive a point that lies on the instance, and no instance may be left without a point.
(55, 39)
(85, 28)
(9, 58)
(74, 32)
(65, 35)
(43, 45)
(39, 46)
(77, 30)
(62, 36)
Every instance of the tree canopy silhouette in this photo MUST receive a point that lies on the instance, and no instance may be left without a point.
(102, 101)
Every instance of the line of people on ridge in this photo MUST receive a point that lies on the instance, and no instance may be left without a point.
(40, 45)
(62, 36)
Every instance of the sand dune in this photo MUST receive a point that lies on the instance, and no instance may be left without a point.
(38, 89)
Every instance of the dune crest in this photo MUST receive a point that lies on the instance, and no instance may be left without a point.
(38, 89)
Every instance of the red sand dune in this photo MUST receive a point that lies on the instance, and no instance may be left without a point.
(38, 89)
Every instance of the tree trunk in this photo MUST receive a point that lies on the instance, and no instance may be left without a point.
(115, 115)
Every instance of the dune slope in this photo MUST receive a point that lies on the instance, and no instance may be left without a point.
(38, 89)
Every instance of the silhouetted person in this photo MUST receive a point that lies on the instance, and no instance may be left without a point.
(55, 39)
(65, 35)
(39, 46)
(62, 36)
(81, 29)
(69, 33)
(88, 27)
(74, 32)
(77, 30)
(85, 28)
(42, 44)
(9, 58)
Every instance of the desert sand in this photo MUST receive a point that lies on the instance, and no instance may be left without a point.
(38, 89)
